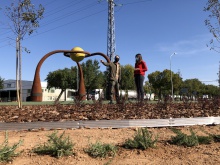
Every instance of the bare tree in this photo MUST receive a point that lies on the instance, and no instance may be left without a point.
(24, 20)
(213, 22)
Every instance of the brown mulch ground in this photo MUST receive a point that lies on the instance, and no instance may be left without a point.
(98, 111)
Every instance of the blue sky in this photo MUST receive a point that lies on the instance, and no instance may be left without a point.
(154, 28)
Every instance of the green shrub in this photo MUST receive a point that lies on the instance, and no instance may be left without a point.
(142, 140)
(188, 140)
(216, 138)
(204, 139)
(56, 146)
(101, 150)
(8, 152)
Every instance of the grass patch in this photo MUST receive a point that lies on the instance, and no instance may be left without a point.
(143, 139)
(216, 138)
(7, 153)
(56, 146)
(101, 150)
(188, 140)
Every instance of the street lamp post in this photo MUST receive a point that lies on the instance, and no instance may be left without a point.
(171, 80)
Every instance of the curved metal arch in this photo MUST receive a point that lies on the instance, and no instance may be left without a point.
(36, 92)
(89, 55)
(99, 53)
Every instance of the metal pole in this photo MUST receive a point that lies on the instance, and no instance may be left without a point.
(111, 31)
(77, 74)
(219, 78)
(171, 80)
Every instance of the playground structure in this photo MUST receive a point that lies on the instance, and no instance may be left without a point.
(76, 54)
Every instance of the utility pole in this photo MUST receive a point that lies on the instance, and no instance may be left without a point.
(110, 39)
(111, 31)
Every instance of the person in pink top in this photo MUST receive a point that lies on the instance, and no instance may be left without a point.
(139, 73)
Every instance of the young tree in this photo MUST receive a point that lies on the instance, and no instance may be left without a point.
(161, 82)
(210, 90)
(1, 83)
(213, 22)
(24, 19)
(177, 83)
(93, 77)
(127, 77)
(62, 79)
(192, 86)
(148, 87)
(154, 80)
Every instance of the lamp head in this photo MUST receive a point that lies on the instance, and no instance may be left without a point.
(77, 57)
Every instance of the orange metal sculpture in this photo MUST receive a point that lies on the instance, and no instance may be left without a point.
(36, 92)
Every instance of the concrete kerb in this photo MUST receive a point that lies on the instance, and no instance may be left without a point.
(110, 123)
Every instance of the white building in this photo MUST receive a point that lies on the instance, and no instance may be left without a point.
(132, 94)
(9, 93)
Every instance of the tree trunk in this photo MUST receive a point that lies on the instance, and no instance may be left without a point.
(58, 98)
(17, 68)
(20, 79)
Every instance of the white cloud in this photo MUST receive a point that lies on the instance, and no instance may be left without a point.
(195, 45)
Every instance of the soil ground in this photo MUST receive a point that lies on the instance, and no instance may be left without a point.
(163, 154)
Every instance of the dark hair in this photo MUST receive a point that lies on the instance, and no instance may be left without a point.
(117, 56)
(140, 56)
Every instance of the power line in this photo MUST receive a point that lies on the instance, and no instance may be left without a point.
(69, 14)
(60, 8)
(63, 16)
(54, 13)
(130, 3)
(83, 8)
(66, 24)
(52, 1)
